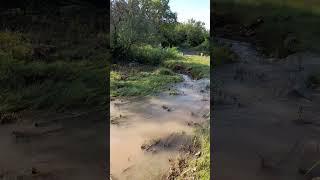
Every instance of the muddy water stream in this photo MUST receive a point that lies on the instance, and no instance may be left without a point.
(139, 120)
(256, 111)
(63, 146)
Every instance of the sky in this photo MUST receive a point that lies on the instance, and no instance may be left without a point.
(196, 9)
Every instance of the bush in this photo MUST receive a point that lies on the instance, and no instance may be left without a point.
(15, 45)
(50, 85)
(164, 71)
(152, 55)
(142, 82)
(222, 55)
(17, 74)
(203, 47)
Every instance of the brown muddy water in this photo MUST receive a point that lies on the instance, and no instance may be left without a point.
(165, 117)
(61, 146)
(266, 118)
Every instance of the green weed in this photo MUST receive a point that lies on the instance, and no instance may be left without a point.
(197, 66)
(141, 82)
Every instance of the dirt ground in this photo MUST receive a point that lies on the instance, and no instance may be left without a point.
(54, 146)
(266, 122)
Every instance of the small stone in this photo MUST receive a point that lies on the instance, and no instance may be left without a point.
(198, 154)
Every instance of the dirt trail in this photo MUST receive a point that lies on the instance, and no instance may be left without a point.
(54, 146)
(166, 119)
(256, 105)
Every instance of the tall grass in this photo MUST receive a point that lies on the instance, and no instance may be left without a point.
(147, 54)
(141, 82)
(14, 44)
(33, 84)
(196, 66)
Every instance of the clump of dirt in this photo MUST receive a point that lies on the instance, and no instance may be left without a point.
(148, 146)
(117, 120)
(181, 69)
(174, 92)
(175, 142)
(166, 108)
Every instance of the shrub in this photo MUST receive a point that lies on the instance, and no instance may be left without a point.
(222, 55)
(152, 55)
(15, 45)
(164, 71)
(56, 85)
(203, 47)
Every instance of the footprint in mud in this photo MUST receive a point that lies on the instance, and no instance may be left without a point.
(180, 142)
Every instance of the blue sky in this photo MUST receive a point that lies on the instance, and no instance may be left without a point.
(196, 9)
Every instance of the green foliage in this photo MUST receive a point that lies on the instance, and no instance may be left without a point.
(186, 35)
(196, 66)
(204, 47)
(152, 55)
(57, 85)
(138, 21)
(164, 71)
(15, 45)
(142, 82)
(195, 32)
(222, 55)
(202, 164)
(72, 73)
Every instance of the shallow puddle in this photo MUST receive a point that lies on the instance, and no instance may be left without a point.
(134, 122)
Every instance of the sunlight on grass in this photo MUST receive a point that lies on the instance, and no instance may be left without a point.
(197, 66)
(141, 83)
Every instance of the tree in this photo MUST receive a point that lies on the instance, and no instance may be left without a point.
(139, 21)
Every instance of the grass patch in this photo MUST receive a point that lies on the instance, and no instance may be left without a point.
(147, 54)
(140, 81)
(200, 166)
(222, 55)
(57, 85)
(15, 45)
(33, 84)
(196, 66)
